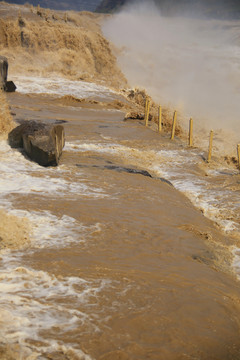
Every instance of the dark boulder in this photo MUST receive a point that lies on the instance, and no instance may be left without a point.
(10, 86)
(43, 143)
(5, 85)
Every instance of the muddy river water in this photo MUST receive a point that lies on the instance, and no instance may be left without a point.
(131, 243)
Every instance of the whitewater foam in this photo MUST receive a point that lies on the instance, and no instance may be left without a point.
(34, 302)
(26, 177)
(50, 231)
(60, 87)
(177, 166)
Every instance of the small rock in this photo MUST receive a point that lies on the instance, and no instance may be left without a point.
(134, 115)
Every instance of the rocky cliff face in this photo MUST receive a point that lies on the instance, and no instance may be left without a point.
(68, 44)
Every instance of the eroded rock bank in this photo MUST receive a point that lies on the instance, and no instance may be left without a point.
(52, 42)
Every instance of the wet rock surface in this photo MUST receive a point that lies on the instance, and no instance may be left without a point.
(5, 85)
(118, 169)
(134, 115)
(3, 72)
(10, 86)
(42, 143)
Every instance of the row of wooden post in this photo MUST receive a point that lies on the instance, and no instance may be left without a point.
(190, 135)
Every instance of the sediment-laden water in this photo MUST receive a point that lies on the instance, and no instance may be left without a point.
(120, 264)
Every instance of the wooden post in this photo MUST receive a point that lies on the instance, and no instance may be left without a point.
(210, 146)
(147, 112)
(57, 148)
(238, 152)
(148, 109)
(62, 139)
(174, 125)
(190, 137)
(159, 119)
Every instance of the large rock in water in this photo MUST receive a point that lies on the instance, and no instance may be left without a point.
(43, 143)
(5, 85)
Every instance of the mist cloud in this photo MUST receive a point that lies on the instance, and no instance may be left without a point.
(189, 64)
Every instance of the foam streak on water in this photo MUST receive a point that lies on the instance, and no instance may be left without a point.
(33, 302)
(48, 227)
(210, 191)
(215, 198)
(32, 178)
(28, 310)
(29, 306)
(217, 203)
(61, 87)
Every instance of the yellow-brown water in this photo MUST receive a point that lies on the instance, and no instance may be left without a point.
(121, 265)
(99, 260)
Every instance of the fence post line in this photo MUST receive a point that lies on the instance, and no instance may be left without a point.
(190, 138)
(238, 153)
(174, 125)
(210, 146)
(160, 119)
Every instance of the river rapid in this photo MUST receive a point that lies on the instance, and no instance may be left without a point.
(133, 245)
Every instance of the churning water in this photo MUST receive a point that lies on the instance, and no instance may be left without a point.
(120, 265)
